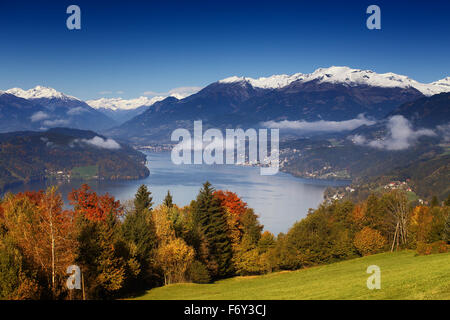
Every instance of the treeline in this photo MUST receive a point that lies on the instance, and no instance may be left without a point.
(124, 249)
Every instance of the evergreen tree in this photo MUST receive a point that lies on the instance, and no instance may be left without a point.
(447, 202)
(143, 199)
(138, 231)
(168, 200)
(211, 218)
(434, 202)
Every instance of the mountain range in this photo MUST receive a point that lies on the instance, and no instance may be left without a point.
(327, 94)
(330, 94)
(41, 108)
(121, 110)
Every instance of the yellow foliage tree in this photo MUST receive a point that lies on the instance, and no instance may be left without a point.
(421, 223)
(175, 257)
(369, 241)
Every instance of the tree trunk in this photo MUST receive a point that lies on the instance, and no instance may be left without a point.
(395, 237)
(52, 237)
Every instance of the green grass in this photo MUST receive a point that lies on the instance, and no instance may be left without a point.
(87, 172)
(403, 276)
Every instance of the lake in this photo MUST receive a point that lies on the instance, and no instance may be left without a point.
(279, 200)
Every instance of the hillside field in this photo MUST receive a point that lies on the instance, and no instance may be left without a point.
(403, 276)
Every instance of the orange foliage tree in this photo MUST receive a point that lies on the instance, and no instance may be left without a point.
(43, 232)
(369, 241)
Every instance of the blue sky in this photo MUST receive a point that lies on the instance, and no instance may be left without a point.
(135, 46)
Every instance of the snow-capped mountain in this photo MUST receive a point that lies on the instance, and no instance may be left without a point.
(121, 110)
(41, 108)
(16, 113)
(123, 104)
(347, 76)
(39, 92)
(334, 94)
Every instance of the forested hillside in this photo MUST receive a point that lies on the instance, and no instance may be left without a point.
(30, 156)
(123, 249)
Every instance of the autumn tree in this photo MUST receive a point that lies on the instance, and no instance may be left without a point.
(447, 229)
(447, 201)
(175, 257)
(421, 222)
(56, 225)
(43, 232)
(397, 206)
(18, 280)
(369, 241)
(266, 242)
(235, 208)
(98, 254)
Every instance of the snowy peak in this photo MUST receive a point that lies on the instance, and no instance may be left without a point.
(347, 76)
(273, 82)
(39, 92)
(123, 104)
(443, 82)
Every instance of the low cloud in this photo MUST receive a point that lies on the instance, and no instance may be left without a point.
(111, 92)
(444, 130)
(321, 125)
(102, 143)
(55, 123)
(76, 111)
(401, 135)
(39, 116)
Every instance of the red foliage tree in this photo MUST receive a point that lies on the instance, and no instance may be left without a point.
(93, 206)
(236, 209)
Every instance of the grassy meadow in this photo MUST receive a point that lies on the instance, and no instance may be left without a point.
(403, 276)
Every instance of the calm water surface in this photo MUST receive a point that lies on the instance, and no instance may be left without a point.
(279, 200)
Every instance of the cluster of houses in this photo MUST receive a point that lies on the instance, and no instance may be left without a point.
(340, 195)
(394, 185)
(156, 148)
(58, 175)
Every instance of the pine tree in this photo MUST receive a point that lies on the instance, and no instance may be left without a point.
(143, 199)
(139, 233)
(434, 202)
(447, 202)
(211, 217)
(168, 200)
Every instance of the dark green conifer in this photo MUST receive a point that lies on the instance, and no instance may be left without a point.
(211, 218)
(168, 200)
(143, 199)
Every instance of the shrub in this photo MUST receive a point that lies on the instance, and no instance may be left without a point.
(431, 248)
(369, 241)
